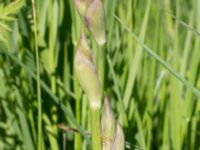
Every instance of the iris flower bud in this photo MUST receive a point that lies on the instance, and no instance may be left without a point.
(86, 72)
(107, 125)
(112, 133)
(92, 13)
(118, 143)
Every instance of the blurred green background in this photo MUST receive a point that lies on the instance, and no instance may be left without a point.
(152, 74)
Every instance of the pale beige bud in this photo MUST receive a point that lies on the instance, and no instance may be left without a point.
(92, 13)
(119, 140)
(107, 125)
(86, 72)
(81, 6)
(95, 21)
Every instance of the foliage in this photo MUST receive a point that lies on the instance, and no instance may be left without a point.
(154, 95)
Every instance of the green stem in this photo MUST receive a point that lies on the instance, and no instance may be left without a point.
(78, 116)
(52, 48)
(52, 34)
(101, 67)
(95, 126)
(38, 80)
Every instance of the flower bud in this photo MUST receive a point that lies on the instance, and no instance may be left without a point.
(118, 143)
(92, 13)
(81, 6)
(107, 125)
(95, 21)
(86, 72)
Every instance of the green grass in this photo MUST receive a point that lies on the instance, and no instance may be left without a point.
(151, 74)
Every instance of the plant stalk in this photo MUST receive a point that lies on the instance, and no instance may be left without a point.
(101, 67)
(78, 117)
(95, 126)
(38, 79)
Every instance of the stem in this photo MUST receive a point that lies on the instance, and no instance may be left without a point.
(101, 67)
(52, 48)
(78, 116)
(52, 34)
(95, 126)
(38, 80)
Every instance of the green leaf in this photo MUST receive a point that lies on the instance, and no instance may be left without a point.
(161, 61)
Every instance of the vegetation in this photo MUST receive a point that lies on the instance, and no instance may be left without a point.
(146, 59)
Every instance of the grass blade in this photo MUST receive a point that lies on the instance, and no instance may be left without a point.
(161, 61)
